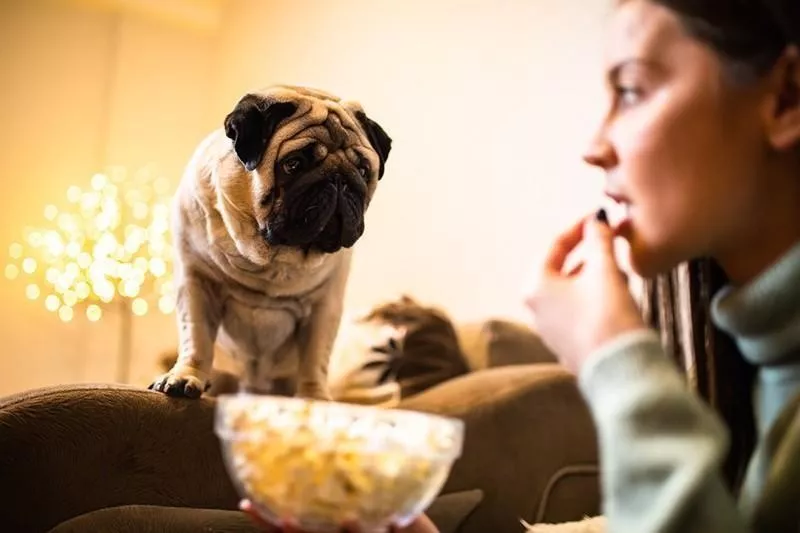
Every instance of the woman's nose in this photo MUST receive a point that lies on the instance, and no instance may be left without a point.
(600, 154)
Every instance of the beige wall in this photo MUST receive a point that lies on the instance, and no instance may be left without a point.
(489, 103)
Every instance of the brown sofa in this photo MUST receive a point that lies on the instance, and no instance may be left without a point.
(101, 458)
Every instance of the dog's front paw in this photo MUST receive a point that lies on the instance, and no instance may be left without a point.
(182, 382)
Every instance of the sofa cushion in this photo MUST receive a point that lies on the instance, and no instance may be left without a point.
(157, 519)
(566, 490)
(527, 429)
(512, 343)
(499, 342)
(448, 512)
(399, 349)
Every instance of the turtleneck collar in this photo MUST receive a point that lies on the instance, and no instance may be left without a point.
(763, 315)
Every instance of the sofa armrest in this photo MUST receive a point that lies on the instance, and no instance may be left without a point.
(69, 450)
(530, 445)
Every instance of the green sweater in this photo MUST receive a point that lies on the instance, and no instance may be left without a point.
(661, 447)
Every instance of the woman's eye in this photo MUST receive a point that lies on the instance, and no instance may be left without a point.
(292, 165)
(628, 96)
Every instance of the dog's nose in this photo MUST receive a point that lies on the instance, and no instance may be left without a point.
(309, 183)
(341, 182)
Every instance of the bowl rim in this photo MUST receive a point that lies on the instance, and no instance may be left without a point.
(456, 425)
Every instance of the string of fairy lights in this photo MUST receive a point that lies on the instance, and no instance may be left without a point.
(108, 242)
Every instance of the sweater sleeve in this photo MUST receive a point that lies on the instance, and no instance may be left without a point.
(661, 446)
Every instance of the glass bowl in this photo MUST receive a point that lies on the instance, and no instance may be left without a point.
(323, 463)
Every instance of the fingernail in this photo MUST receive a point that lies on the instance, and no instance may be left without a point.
(601, 216)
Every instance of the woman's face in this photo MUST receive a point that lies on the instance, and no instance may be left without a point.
(682, 147)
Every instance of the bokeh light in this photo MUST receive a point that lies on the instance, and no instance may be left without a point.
(108, 241)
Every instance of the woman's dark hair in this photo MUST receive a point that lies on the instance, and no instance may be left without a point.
(749, 35)
(678, 305)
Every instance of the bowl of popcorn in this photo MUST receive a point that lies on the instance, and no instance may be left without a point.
(321, 463)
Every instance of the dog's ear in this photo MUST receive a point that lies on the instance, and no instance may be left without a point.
(251, 125)
(380, 141)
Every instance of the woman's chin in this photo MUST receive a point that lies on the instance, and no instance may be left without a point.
(647, 261)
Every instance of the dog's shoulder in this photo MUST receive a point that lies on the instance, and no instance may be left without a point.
(195, 197)
(213, 156)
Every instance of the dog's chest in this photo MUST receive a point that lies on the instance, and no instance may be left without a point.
(264, 330)
(263, 323)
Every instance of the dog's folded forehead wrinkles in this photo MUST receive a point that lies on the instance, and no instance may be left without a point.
(336, 130)
(299, 143)
(314, 106)
(353, 156)
(314, 117)
(325, 122)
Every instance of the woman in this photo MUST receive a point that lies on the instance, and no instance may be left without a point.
(701, 143)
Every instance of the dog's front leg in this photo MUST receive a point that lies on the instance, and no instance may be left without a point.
(318, 335)
(199, 312)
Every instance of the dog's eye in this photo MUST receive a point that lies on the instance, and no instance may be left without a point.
(364, 171)
(292, 165)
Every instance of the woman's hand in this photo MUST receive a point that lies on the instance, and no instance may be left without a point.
(578, 311)
(420, 525)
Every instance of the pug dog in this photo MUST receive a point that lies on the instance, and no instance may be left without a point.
(264, 221)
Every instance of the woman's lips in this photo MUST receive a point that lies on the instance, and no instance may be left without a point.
(617, 197)
(619, 213)
(623, 228)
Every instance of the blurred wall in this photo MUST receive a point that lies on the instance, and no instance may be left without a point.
(489, 103)
(83, 86)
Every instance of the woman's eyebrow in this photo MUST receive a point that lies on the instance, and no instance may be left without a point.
(613, 74)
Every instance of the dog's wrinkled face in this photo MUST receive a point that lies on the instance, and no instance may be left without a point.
(313, 164)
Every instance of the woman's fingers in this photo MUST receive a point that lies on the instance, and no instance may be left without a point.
(562, 247)
(246, 507)
(574, 271)
(598, 240)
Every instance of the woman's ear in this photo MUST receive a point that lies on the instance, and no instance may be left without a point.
(784, 121)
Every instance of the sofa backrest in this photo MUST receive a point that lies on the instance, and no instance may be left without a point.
(65, 451)
(500, 342)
